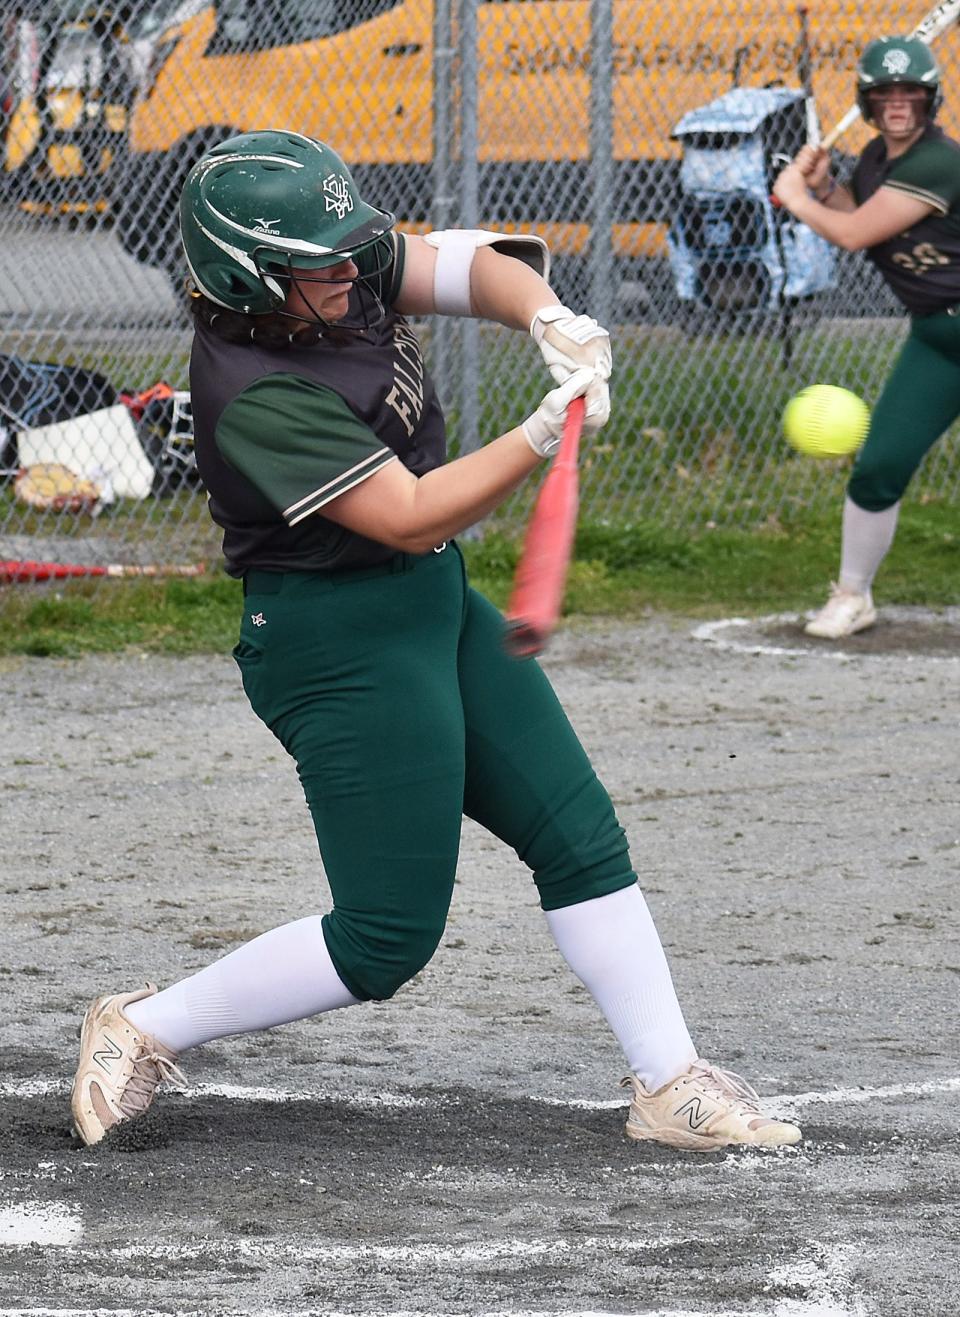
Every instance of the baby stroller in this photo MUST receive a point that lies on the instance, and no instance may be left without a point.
(731, 249)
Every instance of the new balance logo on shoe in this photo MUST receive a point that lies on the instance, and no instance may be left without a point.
(695, 1112)
(106, 1056)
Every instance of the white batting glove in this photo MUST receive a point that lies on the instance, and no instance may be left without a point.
(544, 429)
(569, 341)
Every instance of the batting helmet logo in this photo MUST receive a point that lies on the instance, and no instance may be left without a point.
(337, 192)
(896, 62)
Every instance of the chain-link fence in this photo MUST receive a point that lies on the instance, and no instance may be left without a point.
(638, 138)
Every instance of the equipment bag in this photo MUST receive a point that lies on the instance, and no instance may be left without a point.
(34, 393)
(730, 248)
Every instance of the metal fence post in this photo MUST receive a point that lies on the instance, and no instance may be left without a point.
(469, 218)
(601, 171)
(443, 195)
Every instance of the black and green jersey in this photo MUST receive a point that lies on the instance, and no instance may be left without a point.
(922, 264)
(279, 432)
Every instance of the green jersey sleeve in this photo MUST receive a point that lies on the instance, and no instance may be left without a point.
(931, 173)
(298, 443)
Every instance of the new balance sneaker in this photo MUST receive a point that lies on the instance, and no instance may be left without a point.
(844, 613)
(703, 1109)
(119, 1068)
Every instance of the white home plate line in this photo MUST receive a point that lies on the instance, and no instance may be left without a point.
(710, 632)
(32, 1088)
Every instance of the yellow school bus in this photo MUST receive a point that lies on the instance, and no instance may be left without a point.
(360, 74)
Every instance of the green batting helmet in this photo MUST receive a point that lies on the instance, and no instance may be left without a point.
(259, 203)
(890, 60)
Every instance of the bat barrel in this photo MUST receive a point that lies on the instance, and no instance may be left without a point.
(541, 572)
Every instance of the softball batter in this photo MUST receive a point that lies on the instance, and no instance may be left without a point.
(363, 648)
(902, 207)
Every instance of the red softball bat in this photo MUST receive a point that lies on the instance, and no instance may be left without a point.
(22, 571)
(542, 570)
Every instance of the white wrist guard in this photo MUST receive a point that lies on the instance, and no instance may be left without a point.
(455, 252)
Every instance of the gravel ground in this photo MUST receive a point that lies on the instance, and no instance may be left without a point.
(459, 1149)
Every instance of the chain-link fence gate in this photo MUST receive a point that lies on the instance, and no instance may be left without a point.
(638, 137)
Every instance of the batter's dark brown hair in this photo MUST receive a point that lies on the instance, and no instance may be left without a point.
(272, 330)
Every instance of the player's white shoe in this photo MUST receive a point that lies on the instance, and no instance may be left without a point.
(119, 1068)
(703, 1109)
(844, 613)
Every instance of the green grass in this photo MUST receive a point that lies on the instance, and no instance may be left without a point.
(690, 502)
(68, 619)
(622, 572)
(628, 571)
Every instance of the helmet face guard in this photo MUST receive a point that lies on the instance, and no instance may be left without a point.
(283, 273)
(897, 61)
(263, 209)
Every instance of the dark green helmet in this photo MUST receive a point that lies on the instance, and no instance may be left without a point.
(889, 60)
(259, 203)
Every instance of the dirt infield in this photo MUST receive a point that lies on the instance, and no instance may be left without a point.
(459, 1149)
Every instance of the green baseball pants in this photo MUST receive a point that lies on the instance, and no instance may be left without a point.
(391, 689)
(920, 400)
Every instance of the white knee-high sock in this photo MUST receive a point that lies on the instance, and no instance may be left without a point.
(612, 945)
(283, 975)
(867, 537)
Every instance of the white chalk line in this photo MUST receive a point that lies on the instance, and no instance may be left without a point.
(710, 633)
(401, 1257)
(404, 1312)
(822, 1275)
(777, 1102)
(788, 1103)
(328, 1312)
(819, 1272)
(783, 1308)
(823, 1278)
